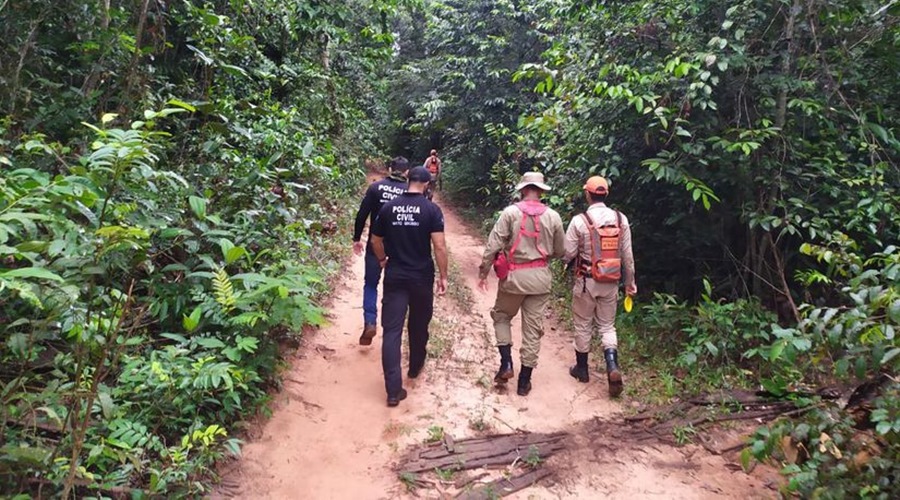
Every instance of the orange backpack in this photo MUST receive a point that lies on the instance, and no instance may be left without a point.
(606, 265)
(434, 165)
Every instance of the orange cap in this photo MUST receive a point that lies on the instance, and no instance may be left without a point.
(597, 185)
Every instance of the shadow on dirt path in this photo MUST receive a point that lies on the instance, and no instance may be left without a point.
(332, 436)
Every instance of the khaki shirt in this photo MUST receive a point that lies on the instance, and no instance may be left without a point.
(529, 281)
(578, 239)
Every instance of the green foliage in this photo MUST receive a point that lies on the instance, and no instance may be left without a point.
(708, 335)
(435, 434)
(153, 262)
(684, 434)
(452, 79)
(827, 456)
(533, 458)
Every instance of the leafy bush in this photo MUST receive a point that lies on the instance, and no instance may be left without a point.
(162, 327)
(710, 334)
(826, 455)
(151, 267)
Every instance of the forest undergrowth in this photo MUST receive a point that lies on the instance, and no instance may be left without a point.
(176, 183)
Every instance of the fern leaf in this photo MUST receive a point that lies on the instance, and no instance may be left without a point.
(223, 290)
(249, 319)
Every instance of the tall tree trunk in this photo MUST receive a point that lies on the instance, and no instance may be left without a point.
(788, 37)
(23, 55)
(142, 21)
(785, 288)
(337, 124)
(786, 62)
(104, 14)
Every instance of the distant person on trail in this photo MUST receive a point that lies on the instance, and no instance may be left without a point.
(526, 236)
(378, 194)
(433, 164)
(600, 241)
(402, 238)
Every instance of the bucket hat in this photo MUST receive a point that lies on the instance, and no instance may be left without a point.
(535, 179)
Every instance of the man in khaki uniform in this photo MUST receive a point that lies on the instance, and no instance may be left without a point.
(594, 301)
(529, 234)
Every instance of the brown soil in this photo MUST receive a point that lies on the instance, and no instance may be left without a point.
(332, 436)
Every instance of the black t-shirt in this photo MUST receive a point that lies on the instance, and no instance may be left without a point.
(377, 195)
(406, 224)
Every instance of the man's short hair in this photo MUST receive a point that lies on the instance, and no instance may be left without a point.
(399, 164)
(597, 198)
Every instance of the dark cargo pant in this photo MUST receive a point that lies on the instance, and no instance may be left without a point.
(397, 297)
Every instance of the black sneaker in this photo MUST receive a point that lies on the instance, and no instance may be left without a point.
(394, 401)
(524, 385)
(367, 335)
(580, 374)
(504, 373)
(414, 372)
(524, 388)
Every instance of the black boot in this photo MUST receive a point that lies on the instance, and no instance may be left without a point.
(613, 375)
(524, 381)
(580, 369)
(506, 365)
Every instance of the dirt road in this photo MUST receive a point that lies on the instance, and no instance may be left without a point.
(332, 436)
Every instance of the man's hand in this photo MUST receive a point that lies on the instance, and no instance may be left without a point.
(358, 248)
(631, 289)
(482, 285)
(442, 286)
(383, 262)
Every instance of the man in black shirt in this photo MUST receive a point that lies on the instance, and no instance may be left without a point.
(378, 194)
(402, 237)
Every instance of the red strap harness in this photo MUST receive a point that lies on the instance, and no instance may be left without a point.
(536, 234)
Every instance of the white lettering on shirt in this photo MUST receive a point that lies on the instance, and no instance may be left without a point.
(405, 215)
(389, 192)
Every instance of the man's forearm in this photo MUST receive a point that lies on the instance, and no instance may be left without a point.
(440, 255)
(494, 244)
(360, 223)
(378, 247)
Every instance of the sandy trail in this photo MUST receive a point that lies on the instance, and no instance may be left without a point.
(332, 436)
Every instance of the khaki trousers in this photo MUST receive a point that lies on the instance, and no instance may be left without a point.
(594, 302)
(532, 306)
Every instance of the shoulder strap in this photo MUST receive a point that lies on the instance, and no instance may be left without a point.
(594, 237)
(588, 220)
(523, 231)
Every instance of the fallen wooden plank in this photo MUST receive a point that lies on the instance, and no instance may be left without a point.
(496, 449)
(481, 444)
(461, 461)
(503, 487)
(448, 443)
(498, 445)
